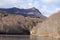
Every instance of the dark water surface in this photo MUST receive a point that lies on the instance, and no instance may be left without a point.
(24, 37)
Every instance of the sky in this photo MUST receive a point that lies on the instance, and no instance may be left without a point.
(46, 7)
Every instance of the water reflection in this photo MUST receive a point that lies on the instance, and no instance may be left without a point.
(43, 38)
(25, 37)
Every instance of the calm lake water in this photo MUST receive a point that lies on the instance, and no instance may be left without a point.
(24, 37)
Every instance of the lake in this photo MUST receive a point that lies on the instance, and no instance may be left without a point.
(25, 37)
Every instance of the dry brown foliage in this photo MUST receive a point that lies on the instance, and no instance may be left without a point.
(12, 23)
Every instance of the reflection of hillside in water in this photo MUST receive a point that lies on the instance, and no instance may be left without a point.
(24, 37)
(43, 38)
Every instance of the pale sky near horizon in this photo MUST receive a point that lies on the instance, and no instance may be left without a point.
(46, 7)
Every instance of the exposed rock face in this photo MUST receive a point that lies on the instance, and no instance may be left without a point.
(50, 27)
(17, 24)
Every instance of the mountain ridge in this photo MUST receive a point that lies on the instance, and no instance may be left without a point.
(31, 12)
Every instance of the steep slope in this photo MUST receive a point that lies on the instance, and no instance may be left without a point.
(17, 24)
(50, 27)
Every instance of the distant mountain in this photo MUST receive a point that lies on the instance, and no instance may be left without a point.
(32, 12)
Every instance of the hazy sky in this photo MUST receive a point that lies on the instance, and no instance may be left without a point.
(47, 7)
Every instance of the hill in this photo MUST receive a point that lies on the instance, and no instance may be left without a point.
(50, 27)
(17, 24)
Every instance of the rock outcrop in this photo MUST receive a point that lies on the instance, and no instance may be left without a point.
(50, 27)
